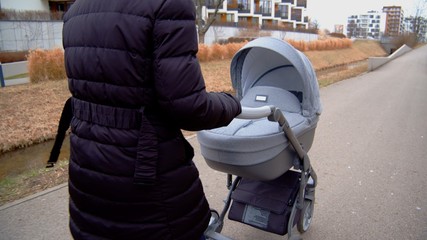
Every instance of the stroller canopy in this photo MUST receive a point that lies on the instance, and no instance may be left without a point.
(269, 61)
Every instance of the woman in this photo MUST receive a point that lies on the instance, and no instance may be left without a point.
(135, 82)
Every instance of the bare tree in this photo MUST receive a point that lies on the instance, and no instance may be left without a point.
(203, 24)
(313, 24)
(418, 20)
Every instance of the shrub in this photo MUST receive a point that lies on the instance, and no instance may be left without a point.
(203, 52)
(45, 65)
(218, 52)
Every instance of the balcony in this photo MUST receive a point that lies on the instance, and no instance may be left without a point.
(281, 14)
(240, 6)
(263, 8)
(211, 4)
(302, 3)
(296, 14)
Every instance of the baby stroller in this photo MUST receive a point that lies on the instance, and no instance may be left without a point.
(265, 148)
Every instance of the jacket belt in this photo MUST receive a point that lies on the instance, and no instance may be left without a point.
(123, 118)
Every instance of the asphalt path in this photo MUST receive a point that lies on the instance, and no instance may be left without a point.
(369, 153)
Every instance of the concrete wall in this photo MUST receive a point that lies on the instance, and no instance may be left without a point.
(217, 33)
(34, 5)
(376, 62)
(26, 35)
(12, 69)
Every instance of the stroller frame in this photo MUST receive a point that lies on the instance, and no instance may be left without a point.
(308, 180)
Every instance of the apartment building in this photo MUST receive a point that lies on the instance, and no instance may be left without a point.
(261, 13)
(417, 25)
(394, 25)
(367, 25)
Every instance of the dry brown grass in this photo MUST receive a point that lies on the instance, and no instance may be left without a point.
(30, 113)
(20, 186)
(217, 76)
(360, 50)
(330, 76)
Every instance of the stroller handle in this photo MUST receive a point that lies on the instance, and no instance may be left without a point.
(255, 113)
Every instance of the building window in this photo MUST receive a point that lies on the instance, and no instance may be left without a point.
(265, 6)
(60, 6)
(283, 9)
(302, 3)
(296, 14)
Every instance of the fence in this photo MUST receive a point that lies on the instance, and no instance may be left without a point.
(26, 35)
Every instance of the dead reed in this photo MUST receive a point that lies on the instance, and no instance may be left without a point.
(218, 51)
(321, 45)
(45, 65)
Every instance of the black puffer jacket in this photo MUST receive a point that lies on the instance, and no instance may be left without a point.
(136, 82)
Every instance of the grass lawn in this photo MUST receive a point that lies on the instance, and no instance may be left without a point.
(23, 75)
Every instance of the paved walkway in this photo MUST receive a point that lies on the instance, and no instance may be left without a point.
(40, 216)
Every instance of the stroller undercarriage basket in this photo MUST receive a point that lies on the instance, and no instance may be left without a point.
(266, 205)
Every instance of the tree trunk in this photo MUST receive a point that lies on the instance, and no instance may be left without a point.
(201, 37)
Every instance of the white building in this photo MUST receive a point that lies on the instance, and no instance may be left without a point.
(367, 25)
(265, 13)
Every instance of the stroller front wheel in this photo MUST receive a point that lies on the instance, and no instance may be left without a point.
(215, 221)
(306, 216)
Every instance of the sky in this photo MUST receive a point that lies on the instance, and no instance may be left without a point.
(331, 12)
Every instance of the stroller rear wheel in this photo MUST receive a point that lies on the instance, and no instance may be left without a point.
(306, 216)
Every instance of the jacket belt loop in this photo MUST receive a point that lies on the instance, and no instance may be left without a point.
(147, 153)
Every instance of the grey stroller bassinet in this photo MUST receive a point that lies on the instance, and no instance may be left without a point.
(266, 146)
(265, 72)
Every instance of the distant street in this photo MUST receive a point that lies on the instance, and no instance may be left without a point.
(370, 153)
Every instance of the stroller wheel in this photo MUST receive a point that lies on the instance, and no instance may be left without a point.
(306, 216)
(215, 221)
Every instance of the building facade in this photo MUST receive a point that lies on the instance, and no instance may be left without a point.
(368, 25)
(417, 25)
(394, 25)
(260, 13)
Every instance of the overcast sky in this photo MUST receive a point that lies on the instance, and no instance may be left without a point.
(331, 12)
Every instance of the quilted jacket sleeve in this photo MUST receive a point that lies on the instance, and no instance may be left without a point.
(179, 82)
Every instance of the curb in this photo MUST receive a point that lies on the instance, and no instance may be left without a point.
(31, 197)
